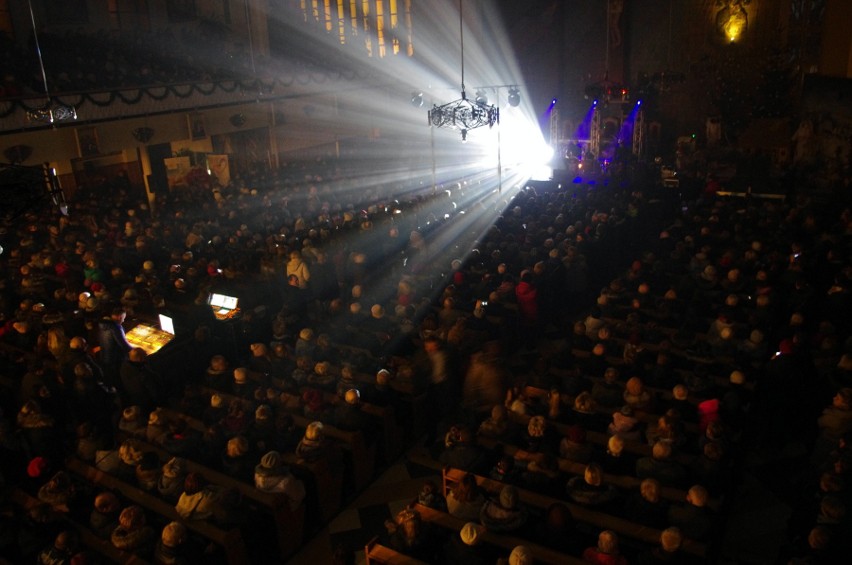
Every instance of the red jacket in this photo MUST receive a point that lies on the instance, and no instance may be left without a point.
(592, 555)
(527, 301)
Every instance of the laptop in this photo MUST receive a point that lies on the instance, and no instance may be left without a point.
(167, 324)
(150, 338)
(223, 306)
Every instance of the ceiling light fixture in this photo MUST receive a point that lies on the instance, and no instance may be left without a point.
(514, 97)
(464, 114)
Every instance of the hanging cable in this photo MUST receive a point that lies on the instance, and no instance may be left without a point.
(461, 37)
(251, 42)
(38, 50)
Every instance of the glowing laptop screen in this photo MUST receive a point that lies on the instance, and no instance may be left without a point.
(167, 324)
(222, 301)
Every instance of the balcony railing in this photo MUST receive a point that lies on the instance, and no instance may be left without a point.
(34, 111)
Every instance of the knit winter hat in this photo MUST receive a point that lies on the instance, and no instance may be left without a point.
(271, 460)
(174, 534)
(382, 377)
(218, 365)
(36, 467)
(129, 453)
(174, 467)
(106, 503)
(132, 518)
(352, 396)
(709, 273)
(470, 533)
(237, 446)
(520, 556)
(509, 497)
(263, 412)
(314, 431)
(131, 414)
(156, 418)
(518, 406)
(537, 426)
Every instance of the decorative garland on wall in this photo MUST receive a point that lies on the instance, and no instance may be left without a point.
(159, 93)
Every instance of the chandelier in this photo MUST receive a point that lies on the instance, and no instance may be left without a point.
(463, 114)
(52, 112)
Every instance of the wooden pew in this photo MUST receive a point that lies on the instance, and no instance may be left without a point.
(568, 402)
(98, 545)
(363, 457)
(378, 554)
(600, 520)
(230, 540)
(392, 434)
(635, 447)
(624, 482)
(329, 486)
(507, 542)
(289, 524)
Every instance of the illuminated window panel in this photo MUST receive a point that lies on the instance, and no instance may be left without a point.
(341, 22)
(408, 27)
(365, 16)
(327, 15)
(353, 16)
(380, 27)
(394, 26)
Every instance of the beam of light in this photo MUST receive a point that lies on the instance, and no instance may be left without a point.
(625, 133)
(378, 109)
(434, 71)
(584, 128)
(521, 145)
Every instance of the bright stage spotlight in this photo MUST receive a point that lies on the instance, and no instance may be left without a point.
(417, 99)
(514, 97)
(524, 153)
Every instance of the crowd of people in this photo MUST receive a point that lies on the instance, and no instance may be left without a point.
(622, 304)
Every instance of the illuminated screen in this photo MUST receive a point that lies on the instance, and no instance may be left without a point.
(167, 324)
(222, 301)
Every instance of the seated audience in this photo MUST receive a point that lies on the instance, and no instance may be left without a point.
(504, 513)
(606, 552)
(694, 518)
